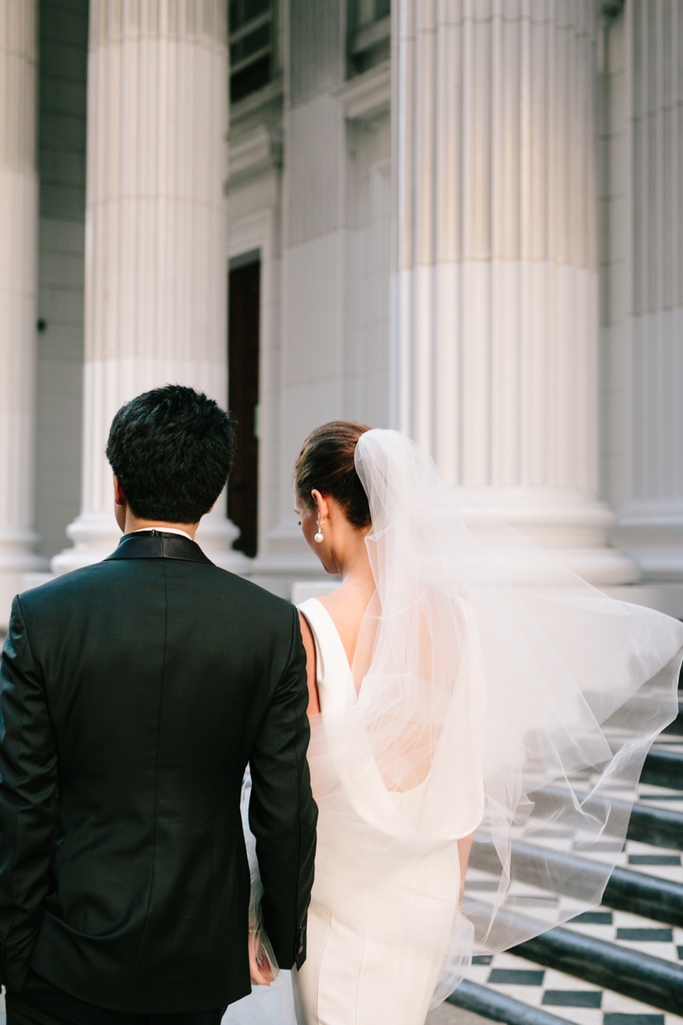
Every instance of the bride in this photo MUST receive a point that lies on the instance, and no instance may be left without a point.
(463, 686)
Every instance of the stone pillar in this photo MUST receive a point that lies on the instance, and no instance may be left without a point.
(311, 382)
(156, 234)
(495, 282)
(18, 286)
(644, 322)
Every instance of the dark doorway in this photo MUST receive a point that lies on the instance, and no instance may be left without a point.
(243, 399)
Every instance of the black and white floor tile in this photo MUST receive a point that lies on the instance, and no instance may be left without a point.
(563, 995)
(571, 998)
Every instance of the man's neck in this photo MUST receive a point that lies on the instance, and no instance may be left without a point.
(134, 523)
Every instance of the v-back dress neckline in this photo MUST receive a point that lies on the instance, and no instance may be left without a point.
(334, 677)
(377, 940)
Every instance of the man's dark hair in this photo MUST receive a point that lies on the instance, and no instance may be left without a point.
(172, 450)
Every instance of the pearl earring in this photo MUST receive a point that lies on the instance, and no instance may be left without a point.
(318, 538)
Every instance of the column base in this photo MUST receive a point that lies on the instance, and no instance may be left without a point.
(216, 535)
(664, 597)
(601, 567)
(277, 572)
(571, 527)
(652, 534)
(659, 562)
(287, 559)
(95, 536)
(16, 558)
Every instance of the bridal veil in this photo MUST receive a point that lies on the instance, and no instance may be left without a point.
(498, 694)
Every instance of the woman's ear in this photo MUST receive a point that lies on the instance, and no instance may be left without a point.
(322, 507)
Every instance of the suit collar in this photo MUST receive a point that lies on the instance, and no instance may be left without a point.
(155, 544)
(162, 530)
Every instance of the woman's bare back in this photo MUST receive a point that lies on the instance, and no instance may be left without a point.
(346, 607)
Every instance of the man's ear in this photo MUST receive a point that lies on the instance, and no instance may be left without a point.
(119, 496)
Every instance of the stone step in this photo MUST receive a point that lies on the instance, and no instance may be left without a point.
(605, 963)
(676, 727)
(546, 990)
(641, 976)
(657, 826)
(640, 894)
(471, 996)
(664, 768)
(602, 966)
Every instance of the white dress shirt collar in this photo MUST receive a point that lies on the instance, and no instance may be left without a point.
(163, 530)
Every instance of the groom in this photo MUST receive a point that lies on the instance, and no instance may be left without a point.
(133, 693)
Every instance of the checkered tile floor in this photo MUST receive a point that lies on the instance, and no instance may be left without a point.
(571, 998)
(564, 996)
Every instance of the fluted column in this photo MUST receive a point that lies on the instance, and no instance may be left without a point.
(313, 280)
(18, 284)
(156, 232)
(645, 319)
(495, 283)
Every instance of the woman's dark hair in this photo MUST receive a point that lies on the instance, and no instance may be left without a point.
(326, 463)
(172, 450)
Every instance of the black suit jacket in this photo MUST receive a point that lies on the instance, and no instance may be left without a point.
(133, 693)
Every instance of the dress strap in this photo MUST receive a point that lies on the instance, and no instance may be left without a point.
(333, 673)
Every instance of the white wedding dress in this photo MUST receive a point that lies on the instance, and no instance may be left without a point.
(377, 941)
(376, 949)
(492, 691)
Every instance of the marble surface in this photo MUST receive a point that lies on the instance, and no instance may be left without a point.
(448, 1015)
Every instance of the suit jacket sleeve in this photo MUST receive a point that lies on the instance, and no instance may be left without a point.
(282, 812)
(28, 800)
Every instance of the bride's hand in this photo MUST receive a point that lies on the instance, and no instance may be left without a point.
(260, 968)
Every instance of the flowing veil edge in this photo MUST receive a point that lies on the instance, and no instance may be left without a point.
(528, 697)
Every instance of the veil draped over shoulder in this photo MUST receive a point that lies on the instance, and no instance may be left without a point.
(498, 695)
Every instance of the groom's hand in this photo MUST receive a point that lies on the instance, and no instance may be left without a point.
(282, 813)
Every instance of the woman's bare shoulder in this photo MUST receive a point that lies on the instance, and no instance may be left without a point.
(311, 674)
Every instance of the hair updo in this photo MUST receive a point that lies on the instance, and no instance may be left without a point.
(326, 464)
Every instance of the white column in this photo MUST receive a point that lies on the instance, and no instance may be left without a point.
(156, 233)
(645, 253)
(312, 313)
(18, 285)
(495, 284)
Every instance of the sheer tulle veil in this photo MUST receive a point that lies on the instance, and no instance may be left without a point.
(509, 696)
(498, 695)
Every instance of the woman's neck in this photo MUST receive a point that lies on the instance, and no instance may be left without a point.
(355, 570)
(347, 604)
